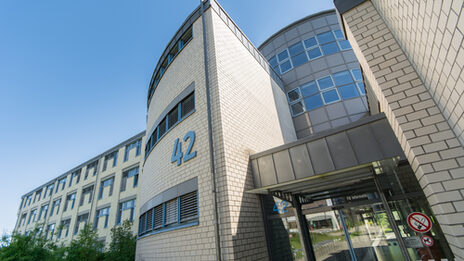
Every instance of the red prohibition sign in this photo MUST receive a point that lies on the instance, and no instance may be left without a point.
(427, 241)
(419, 222)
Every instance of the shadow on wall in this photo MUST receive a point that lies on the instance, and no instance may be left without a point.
(251, 224)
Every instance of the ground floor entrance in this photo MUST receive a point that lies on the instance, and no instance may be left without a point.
(357, 215)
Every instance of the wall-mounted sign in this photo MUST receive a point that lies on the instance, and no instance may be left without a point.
(419, 222)
(178, 155)
(280, 207)
(412, 242)
(427, 241)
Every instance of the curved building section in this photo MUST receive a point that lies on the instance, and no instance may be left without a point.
(321, 75)
(193, 204)
(171, 192)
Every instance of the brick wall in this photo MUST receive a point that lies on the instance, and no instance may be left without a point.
(431, 146)
(430, 34)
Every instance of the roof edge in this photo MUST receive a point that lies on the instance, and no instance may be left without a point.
(295, 23)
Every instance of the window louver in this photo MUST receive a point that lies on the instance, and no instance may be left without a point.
(149, 220)
(159, 216)
(188, 206)
(171, 212)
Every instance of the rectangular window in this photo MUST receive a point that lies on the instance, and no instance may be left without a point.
(106, 183)
(91, 169)
(313, 102)
(175, 212)
(325, 83)
(28, 200)
(293, 95)
(86, 193)
(22, 222)
(314, 53)
(55, 207)
(70, 199)
(102, 213)
(64, 227)
(134, 145)
(330, 48)
(330, 96)
(188, 207)
(299, 59)
(32, 216)
(50, 231)
(342, 78)
(171, 212)
(62, 183)
(112, 156)
(325, 37)
(81, 220)
(126, 211)
(187, 105)
(162, 128)
(149, 221)
(49, 190)
(126, 175)
(76, 175)
(43, 212)
(348, 91)
(173, 117)
(309, 89)
(37, 195)
(297, 108)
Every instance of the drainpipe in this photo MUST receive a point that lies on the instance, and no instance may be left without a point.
(210, 136)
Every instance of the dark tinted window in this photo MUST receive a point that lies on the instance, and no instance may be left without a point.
(188, 105)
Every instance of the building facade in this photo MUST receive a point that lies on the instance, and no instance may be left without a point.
(339, 138)
(101, 191)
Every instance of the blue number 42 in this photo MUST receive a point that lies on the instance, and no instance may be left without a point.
(177, 153)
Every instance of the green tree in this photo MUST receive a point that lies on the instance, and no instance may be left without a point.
(31, 247)
(85, 247)
(122, 246)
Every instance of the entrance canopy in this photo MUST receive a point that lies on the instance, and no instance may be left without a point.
(333, 158)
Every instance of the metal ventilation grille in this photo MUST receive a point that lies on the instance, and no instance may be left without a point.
(171, 212)
(149, 220)
(158, 216)
(188, 105)
(188, 206)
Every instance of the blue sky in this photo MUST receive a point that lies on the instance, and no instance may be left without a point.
(74, 77)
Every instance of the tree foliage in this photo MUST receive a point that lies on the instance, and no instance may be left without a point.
(122, 246)
(86, 246)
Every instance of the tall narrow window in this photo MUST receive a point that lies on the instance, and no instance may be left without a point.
(50, 231)
(102, 213)
(64, 228)
(81, 220)
(112, 156)
(187, 105)
(32, 216)
(91, 169)
(127, 175)
(28, 200)
(49, 190)
(126, 211)
(55, 207)
(104, 184)
(162, 128)
(171, 212)
(62, 183)
(43, 212)
(86, 194)
(173, 117)
(76, 175)
(70, 199)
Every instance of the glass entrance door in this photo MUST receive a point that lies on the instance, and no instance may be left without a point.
(363, 220)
